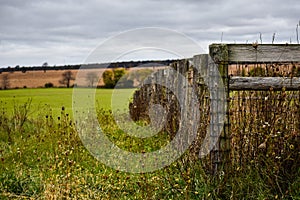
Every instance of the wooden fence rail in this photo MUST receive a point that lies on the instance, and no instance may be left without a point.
(264, 83)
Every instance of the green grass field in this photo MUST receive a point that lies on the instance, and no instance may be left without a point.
(42, 157)
(56, 98)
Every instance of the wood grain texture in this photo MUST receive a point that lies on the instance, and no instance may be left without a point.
(264, 83)
(251, 53)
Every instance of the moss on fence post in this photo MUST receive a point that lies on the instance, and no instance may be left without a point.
(220, 156)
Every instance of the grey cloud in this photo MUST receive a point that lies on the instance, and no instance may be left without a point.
(33, 29)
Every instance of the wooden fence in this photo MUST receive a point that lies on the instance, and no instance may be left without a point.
(257, 80)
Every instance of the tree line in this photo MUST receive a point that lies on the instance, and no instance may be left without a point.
(125, 64)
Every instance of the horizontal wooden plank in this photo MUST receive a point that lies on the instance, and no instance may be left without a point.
(264, 83)
(250, 53)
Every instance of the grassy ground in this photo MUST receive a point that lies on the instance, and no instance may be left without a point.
(42, 157)
(56, 98)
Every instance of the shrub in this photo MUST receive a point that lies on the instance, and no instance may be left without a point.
(111, 77)
(108, 79)
(49, 85)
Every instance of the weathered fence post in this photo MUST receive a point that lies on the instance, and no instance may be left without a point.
(220, 155)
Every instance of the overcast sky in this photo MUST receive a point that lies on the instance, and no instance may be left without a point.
(65, 32)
